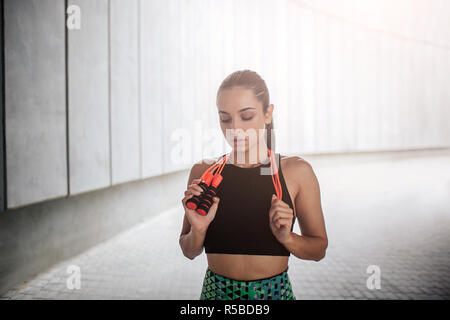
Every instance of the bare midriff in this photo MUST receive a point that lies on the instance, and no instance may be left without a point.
(246, 267)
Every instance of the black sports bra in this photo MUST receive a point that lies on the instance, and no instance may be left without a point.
(241, 224)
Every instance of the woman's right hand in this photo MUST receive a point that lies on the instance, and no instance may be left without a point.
(198, 222)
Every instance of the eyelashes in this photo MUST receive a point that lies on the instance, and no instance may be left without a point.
(228, 120)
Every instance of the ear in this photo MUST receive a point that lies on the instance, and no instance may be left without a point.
(268, 115)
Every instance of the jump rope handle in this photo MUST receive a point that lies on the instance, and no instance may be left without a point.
(194, 202)
(208, 195)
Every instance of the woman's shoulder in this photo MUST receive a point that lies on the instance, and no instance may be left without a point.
(294, 165)
(207, 162)
(296, 171)
(199, 167)
(293, 161)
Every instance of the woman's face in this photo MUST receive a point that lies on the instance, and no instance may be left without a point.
(242, 118)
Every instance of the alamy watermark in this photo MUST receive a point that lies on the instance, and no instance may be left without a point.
(374, 280)
(73, 17)
(74, 279)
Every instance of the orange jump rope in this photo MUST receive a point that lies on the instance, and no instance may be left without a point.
(211, 179)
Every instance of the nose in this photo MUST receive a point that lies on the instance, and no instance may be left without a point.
(234, 131)
(234, 125)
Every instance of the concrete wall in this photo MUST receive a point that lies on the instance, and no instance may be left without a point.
(140, 74)
(89, 99)
(73, 115)
(125, 91)
(35, 101)
(2, 108)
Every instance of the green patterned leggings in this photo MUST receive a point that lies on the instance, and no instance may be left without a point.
(217, 287)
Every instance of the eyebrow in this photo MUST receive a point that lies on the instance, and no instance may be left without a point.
(239, 110)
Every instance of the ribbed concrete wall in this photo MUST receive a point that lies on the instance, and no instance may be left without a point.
(347, 77)
(2, 107)
(88, 95)
(140, 74)
(371, 75)
(35, 101)
(124, 90)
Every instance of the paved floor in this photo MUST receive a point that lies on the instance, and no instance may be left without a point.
(388, 210)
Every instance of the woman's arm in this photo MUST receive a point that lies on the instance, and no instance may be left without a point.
(313, 242)
(195, 225)
(191, 241)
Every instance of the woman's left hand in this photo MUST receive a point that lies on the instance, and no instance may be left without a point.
(281, 216)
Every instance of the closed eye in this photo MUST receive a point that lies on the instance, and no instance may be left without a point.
(228, 120)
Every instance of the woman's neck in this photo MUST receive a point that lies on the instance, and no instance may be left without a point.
(249, 158)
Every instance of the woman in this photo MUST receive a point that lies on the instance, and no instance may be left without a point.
(247, 233)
